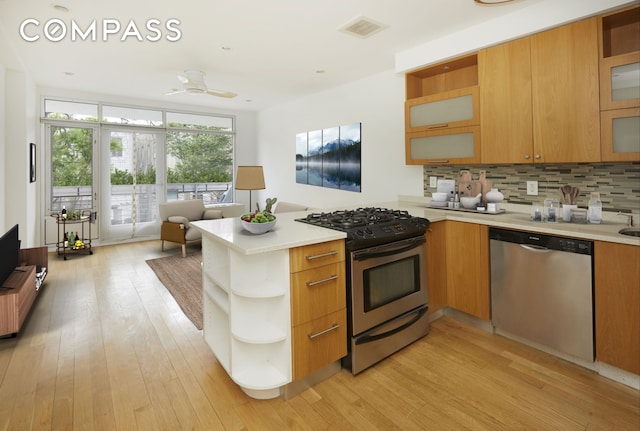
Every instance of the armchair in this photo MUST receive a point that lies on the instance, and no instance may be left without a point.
(177, 216)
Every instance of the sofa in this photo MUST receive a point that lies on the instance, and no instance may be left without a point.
(284, 207)
(176, 217)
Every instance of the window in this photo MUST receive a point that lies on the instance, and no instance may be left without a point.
(131, 116)
(131, 158)
(77, 111)
(199, 157)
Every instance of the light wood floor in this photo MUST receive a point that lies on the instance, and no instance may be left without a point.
(107, 348)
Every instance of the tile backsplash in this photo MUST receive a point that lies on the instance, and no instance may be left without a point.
(618, 183)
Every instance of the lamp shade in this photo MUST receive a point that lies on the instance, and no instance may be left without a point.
(249, 178)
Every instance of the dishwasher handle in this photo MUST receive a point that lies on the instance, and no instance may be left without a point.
(535, 248)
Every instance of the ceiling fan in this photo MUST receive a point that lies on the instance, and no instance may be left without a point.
(193, 83)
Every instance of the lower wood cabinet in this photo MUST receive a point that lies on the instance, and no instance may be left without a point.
(436, 266)
(467, 263)
(617, 305)
(318, 306)
(318, 343)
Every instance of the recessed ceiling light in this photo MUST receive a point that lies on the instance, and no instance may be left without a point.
(492, 1)
(60, 8)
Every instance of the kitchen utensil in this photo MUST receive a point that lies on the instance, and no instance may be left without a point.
(439, 196)
(486, 185)
(569, 195)
(575, 193)
(470, 202)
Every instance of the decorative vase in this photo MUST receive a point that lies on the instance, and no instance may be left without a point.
(494, 196)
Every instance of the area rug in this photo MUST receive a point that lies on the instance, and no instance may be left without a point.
(182, 276)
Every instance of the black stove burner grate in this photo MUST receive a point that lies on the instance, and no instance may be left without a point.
(371, 225)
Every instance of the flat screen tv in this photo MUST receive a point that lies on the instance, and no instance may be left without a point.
(9, 253)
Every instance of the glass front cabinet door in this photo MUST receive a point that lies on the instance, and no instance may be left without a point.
(455, 108)
(452, 146)
(443, 128)
(620, 140)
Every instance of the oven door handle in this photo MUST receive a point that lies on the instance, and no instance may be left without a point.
(370, 338)
(414, 242)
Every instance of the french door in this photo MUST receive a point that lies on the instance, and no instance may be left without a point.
(71, 179)
(132, 182)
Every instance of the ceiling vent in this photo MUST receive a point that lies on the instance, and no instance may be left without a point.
(363, 27)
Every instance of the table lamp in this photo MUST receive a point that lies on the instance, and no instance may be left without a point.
(250, 178)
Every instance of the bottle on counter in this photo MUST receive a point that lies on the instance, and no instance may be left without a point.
(594, 211)
(66, 240)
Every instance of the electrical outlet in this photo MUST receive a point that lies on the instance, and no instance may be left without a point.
(532, 188)
(433, 182)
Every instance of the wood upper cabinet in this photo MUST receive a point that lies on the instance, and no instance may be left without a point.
(506, 106)
(467, 257)
(565, 89)
(619, 47)
(442, 113)
(617, 305)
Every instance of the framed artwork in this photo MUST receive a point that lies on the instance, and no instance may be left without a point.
(32, 162)
(330, 157)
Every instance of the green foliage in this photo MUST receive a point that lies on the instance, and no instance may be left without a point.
(72, 151)
(200, 157)
(120, 177)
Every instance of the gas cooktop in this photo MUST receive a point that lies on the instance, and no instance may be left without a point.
(370, 226)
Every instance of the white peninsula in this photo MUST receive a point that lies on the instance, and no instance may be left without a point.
(274, 306)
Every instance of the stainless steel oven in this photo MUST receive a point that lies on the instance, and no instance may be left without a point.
(388, 300)
(386, 280)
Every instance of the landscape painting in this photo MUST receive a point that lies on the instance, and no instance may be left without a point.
(330, 157)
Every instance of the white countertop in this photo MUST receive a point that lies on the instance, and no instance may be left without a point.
(519, 217)
(289, 233)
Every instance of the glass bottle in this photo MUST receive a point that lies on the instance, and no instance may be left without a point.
(594, 212)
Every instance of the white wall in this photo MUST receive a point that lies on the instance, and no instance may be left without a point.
(378, 103)
(20, 196)
(3, 146)
(539, 15)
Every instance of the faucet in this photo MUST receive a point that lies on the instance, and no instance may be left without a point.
(629, 216)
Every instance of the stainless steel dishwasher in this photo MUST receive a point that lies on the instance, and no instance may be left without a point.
(542, 290)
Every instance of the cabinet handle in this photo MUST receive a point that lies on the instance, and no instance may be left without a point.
(318, 256)
(438, 126)
(537, 156)
(317, 334)
(313, 283)
(439, 161)
(527, 156)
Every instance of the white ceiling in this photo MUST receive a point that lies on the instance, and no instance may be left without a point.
(275, 46)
